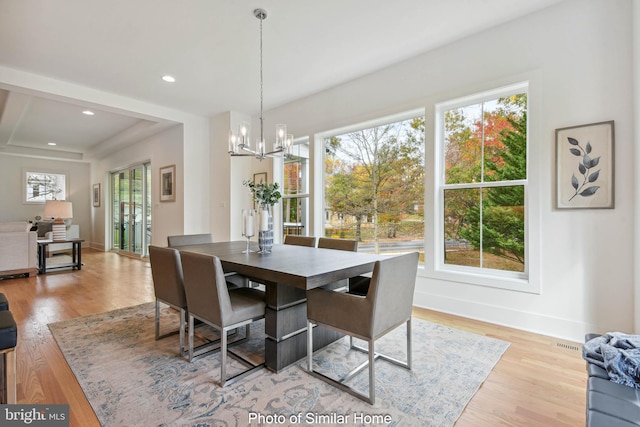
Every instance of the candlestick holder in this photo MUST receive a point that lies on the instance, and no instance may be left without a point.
(248, 227)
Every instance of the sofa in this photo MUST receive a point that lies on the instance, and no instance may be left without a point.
(609, 404)
(18, 249)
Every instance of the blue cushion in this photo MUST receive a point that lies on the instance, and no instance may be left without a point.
(8, 330)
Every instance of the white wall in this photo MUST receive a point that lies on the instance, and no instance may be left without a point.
(577, 56)
(12, 207)
(636, 139)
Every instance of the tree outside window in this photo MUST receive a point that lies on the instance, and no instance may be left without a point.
(374, 186)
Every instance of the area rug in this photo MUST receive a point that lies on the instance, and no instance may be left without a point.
(132, 380)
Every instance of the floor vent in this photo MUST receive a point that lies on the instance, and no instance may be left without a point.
(571, 347)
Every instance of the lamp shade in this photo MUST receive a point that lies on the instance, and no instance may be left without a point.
(58, 209)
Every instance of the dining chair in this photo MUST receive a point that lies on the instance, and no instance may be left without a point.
(386, 306)
(214, 304)
(341, 245)
(199, 239)
(189, 239)
(291, 239)
(168, 285)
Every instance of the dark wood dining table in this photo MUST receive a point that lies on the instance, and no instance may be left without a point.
(287, 273)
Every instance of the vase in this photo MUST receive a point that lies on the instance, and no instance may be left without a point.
(265, 230)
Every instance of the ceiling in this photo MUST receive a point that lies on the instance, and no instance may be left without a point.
(124, 47)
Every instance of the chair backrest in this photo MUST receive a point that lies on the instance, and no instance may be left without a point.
(290, 239)
(166, 270)
(189, 239)
(206, 288)
(391, 291)
(339, 244)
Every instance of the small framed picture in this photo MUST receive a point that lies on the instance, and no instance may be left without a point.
(260, 178)
(96, 195)
(168, 183)
(585, 166)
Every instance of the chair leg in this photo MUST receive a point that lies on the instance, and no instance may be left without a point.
(372, 373)
(223, 357)
(409, 340)
(183, 319)
(157, 320)
(190, 337)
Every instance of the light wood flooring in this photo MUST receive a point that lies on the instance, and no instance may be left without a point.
(540, 381)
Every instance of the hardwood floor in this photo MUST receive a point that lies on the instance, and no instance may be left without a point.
(540, 381)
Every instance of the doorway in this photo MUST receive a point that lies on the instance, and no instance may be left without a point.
(131, 210)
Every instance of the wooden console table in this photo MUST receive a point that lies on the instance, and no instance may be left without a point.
(76, 255)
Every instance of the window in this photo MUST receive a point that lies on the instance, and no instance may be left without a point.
(374, 184)
(295, 191)
(482, 184)
(42, 186)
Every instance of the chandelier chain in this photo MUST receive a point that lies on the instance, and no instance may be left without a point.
(261, 84)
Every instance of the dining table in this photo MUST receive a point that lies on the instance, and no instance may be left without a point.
(287, 272)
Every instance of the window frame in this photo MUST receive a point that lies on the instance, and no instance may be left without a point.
(435, 266)
(319, 209)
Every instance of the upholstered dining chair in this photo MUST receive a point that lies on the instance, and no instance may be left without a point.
(214, 304)
(168, 285)
(189, 239)
(339, 244)
(291, 239)
(199, 239)
(386, 306)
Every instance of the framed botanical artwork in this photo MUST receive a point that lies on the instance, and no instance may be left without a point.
(96, 195)
(260, 178)
(585, 168)
(168, 183)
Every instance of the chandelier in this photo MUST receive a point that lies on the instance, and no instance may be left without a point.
(240, 144)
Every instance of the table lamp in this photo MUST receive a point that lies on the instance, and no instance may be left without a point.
(59, 210)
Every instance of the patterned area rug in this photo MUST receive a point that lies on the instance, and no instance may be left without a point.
(132, 380)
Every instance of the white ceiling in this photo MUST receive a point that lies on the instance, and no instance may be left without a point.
(212, 48)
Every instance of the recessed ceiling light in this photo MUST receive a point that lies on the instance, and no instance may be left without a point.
(169, 79)
(51, 143)
(88, 112)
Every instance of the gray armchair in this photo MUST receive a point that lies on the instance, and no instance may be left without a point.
(290, 239)
(339, 244)
(189, 239)
(386, 306)
(168, 285)
(201, 239)
(213, 303)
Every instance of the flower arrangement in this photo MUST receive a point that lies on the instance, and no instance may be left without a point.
(264, 194)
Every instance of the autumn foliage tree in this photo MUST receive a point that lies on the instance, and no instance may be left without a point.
(376, 173)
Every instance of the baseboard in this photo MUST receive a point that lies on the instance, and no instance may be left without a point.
(97, 246)
(527, 321)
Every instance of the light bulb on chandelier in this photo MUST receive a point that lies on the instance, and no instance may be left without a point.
(240, 142)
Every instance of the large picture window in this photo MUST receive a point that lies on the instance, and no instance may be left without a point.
(482, 184)
(374, 185)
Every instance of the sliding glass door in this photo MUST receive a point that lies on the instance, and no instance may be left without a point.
(131, 210)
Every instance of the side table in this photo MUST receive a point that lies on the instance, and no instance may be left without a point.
(76, 255)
